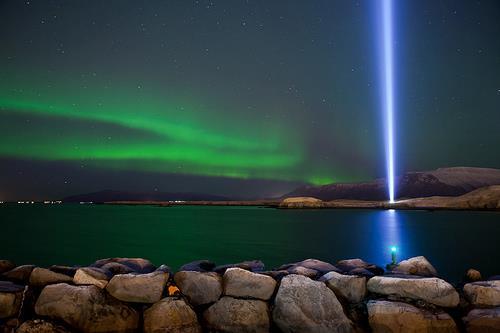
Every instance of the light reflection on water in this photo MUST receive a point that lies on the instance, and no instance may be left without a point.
(452, 241)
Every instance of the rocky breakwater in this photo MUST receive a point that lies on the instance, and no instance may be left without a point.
(133, 295)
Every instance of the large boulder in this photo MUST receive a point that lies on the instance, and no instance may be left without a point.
(91, 275)
(40, 277)
(352, 288)
(198, 266)
(398, 317)
(242, 283)
(303, 305)
(87, 309)
(41, 326)
(10, 299)
(199, 287)
(21, 273)
(139, 288)
(415, 266)
(6, 265)
(359, 267)
(483, 321)
(484, 293)
(137, 265)
(233, 315)
(252, 265)
(430, 290)
(171, 315)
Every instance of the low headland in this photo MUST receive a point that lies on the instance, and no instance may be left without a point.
(133, 295)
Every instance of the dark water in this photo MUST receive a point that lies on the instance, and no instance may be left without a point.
(79, 234)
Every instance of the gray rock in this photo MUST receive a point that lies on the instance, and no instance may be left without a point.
(349, 287)
(139, 288)
(10, 287)
(483, 293)
(306, 268)
(116, 268)
(41, 277)
(10, 299)
(231, 315)
(87, 309)
(164, 269)
(91, 275)
(398, 317)
(252, 265)
(6, 265)
(171, 315)
(430, 290)
(238, 282)
(304, 271)
(483, 321)
(416, 266)
(137, 265)
(198, 266)
(303, 305)
(277, 275)
(199, 287)
(20, 273)
(41, 326)
(66, 270)
(348, 265)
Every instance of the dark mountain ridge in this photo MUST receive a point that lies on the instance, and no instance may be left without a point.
(453, 181)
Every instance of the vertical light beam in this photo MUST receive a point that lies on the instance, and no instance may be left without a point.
(388, 90)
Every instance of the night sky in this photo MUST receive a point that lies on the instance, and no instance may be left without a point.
(240, 98)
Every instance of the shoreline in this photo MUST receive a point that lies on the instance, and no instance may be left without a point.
(133, 295)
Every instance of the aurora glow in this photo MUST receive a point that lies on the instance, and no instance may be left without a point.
(241, 98)
(387, 66)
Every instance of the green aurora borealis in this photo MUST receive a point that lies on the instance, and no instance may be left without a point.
(211, 96)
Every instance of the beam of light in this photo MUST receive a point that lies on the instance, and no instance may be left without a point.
(387, 65)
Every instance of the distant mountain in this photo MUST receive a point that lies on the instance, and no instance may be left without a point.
(441, 182)
(110, 195)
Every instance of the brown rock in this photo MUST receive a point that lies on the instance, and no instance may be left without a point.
(87, 309)
(398, 317)
(171, 315)
(41, 326)
(233, 315)
(91, 275)
(140, 288)
(473, 275)
(242, 283)
(20, 273)
(483, 293)
(41, 277)
(199, 287)
(303, 305)
(483, 321)
(6, 265)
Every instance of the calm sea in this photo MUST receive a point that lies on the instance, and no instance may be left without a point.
(80, 234)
